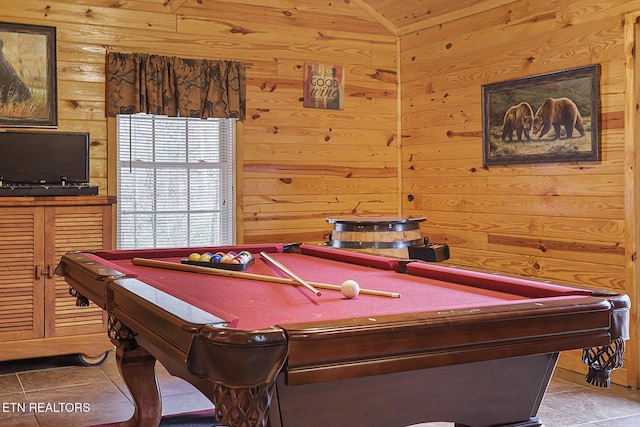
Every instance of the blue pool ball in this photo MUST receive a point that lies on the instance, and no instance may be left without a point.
(216, 258)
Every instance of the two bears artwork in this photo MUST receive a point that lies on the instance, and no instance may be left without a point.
(555, 113)
(546, 118)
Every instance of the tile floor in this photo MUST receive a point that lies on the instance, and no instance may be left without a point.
(80, 396)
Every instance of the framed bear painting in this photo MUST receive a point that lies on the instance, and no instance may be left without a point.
(546, 118)
(28, 85)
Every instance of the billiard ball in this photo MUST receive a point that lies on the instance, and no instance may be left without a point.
(350, 289)
(243, 257)
(194, 257)
(205, 258)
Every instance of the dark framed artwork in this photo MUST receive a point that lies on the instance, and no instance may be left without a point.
(28, 82)
(323, 86)
(546, 118)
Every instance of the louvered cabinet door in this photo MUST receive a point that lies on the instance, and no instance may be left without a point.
(73, 228)
(22, 280)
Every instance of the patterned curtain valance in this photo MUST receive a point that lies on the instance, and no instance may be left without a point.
(141, 83)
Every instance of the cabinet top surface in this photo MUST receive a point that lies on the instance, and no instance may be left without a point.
(27, 201)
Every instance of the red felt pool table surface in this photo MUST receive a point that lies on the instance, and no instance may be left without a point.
(249, 304)
(263, 351)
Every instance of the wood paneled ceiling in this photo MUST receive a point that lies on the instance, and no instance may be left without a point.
(405, 16)
(397, 16)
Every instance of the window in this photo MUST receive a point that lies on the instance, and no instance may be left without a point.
(175, 182)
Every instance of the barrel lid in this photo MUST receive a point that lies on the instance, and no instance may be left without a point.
(356, 219)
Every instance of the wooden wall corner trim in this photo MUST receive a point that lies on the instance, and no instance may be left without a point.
(632, 185)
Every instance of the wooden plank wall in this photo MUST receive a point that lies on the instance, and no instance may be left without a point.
(296, 165)
(557, 221)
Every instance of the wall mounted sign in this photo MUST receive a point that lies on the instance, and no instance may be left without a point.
(547, 118)
(324, 86)
(28, 86)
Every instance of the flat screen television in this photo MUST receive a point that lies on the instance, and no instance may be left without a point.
(44, 157)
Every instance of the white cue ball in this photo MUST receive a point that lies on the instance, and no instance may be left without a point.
(350, 289)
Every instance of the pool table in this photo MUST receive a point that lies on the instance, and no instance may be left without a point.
(445, 343)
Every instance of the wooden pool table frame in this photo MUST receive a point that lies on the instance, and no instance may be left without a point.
(478, 366)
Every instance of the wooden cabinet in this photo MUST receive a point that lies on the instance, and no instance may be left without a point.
(38, 316)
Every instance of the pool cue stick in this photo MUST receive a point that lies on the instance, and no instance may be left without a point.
(290, 273)
(248, 276)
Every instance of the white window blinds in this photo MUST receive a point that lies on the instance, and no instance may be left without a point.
(175, 182)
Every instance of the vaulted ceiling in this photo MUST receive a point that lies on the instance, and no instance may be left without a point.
(405, 16)
(397, 16)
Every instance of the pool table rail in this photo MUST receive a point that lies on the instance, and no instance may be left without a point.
(246, 358)
(362, 346)
(87, 277)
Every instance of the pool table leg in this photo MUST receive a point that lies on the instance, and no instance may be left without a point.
(137, 368)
